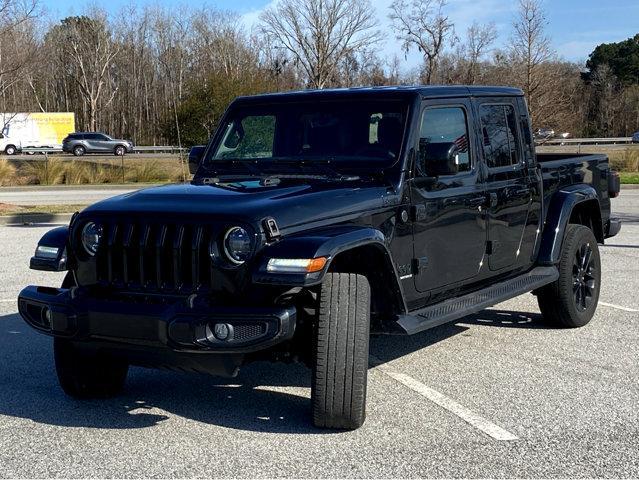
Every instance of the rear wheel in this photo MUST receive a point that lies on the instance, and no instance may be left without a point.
(572, 299)
(87, 375)
(79, 150)
(341, 340)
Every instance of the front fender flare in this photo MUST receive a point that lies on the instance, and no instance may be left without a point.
(57, 238)
(558, 215)
(325, 242)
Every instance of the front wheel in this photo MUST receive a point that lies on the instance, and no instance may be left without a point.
(341, 339)
(119, 151)
(87, 375)
(10, 150)
(572, 299)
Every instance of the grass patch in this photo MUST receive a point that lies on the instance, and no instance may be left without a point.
(7, 173)
(65, 170)
(629, 177)
(625, 160)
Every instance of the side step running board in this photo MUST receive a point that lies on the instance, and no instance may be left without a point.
(456, 308)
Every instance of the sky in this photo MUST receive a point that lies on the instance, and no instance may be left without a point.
(574, 26)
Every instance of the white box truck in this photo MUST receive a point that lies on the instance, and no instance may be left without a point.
(36, 130)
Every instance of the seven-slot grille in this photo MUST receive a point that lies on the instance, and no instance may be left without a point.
(155, 256)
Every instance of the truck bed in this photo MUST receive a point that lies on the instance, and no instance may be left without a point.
(561, 170)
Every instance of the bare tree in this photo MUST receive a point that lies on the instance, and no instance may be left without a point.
(423, 24)
(90, 53)
(479, 39)
(17, 43)
(530, 47)
(321, 34)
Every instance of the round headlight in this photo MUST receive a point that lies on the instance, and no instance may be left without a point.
(237, 245)
(91, 235)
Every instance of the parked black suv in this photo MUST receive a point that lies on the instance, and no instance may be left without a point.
(80, 143)
(315, 218)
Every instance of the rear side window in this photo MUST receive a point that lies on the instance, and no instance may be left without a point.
(500, 137)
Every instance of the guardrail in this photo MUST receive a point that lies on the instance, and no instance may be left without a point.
(585, 141)
(140, 149)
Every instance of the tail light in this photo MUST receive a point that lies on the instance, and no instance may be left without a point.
(614, 184)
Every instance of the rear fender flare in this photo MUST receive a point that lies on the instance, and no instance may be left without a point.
(558, 216)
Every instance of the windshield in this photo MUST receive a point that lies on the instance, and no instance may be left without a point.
(353, 133)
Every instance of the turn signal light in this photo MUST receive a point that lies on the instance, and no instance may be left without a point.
(296, 265)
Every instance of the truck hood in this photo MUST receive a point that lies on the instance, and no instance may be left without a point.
(290, 204)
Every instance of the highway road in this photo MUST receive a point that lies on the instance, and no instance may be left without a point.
(63, 194)
(497, 394)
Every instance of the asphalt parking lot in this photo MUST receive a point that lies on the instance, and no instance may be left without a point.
(496, 394)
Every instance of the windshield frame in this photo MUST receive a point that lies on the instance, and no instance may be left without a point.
(409, 100)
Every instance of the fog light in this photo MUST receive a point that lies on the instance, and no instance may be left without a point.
(222, 331)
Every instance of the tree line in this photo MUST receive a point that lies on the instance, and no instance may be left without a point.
(165, 75)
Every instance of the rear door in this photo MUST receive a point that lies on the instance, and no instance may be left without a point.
(508, 184)
(449, 227)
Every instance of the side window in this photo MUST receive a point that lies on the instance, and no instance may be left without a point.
(444, 129)
(252, 137)
(500, 138)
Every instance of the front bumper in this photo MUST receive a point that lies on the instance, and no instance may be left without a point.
(150, 334)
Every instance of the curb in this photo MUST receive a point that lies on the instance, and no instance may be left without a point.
(35, 218)
(630, 186)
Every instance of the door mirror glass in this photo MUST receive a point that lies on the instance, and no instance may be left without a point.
(437, 159)
(195, 155)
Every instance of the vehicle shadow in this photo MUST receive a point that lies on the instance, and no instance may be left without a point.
(265, 397)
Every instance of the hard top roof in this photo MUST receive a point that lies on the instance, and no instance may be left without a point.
(402, 91)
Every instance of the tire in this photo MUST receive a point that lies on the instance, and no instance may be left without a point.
(10, 150)
(87, 375)
(119, 151)
(79, 150)
(341, 339)
(572, 299)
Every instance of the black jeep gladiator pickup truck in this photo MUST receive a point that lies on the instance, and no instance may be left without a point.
(314, 219)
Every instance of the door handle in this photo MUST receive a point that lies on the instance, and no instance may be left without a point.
(477, 201)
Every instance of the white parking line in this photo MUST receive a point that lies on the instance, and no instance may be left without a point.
(447, 403)
(8, 300)
(618, 307)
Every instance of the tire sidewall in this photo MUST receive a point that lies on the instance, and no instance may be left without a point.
(578, 236)
(78, 151)
(10, 150)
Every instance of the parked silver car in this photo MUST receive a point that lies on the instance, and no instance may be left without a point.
(80, 143)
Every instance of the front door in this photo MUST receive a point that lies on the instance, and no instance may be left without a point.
(449, 230)
(508, 185)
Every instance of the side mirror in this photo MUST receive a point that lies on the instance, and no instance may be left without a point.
(195, 156)
(438, 159)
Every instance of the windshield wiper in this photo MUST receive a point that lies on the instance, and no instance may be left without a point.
(276, 178)
(249, 165)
